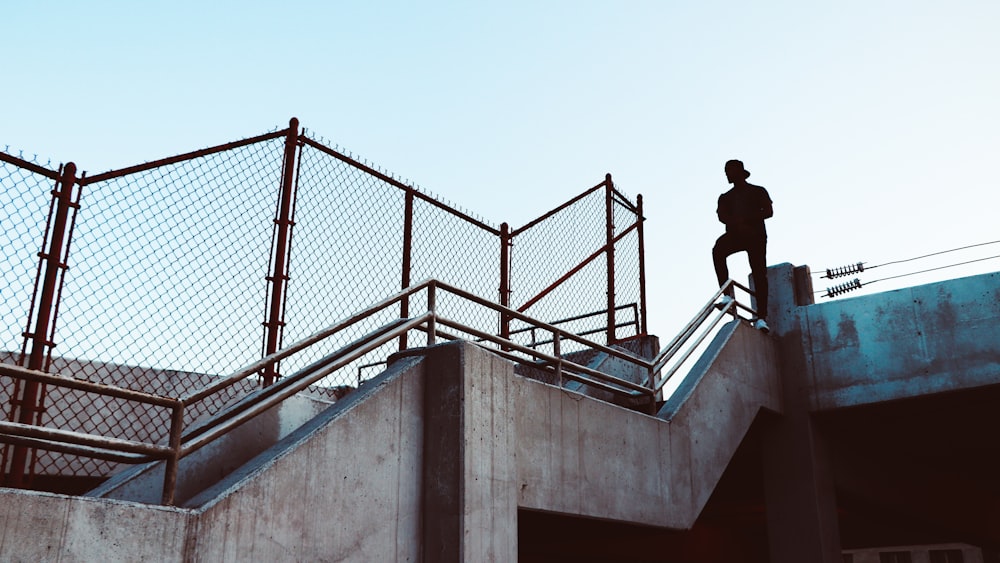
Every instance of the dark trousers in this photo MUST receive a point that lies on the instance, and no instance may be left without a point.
(756, 249)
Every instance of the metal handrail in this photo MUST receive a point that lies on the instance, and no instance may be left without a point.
(683, 338)
(181, 444)
(634, 307)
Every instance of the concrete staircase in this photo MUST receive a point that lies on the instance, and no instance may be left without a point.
(432, 458)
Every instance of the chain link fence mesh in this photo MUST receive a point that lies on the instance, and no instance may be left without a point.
(459, 253)
(552, 248)
(25, 199)
(346, 254)
(170, 264)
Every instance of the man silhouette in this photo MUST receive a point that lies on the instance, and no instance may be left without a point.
(743, 210)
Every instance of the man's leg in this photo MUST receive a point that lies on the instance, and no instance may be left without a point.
(725, 246)
(757, 252)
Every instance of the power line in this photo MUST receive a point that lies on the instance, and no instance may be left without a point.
(933, 269)
(859, 267)
(937, 253)
(856, 283)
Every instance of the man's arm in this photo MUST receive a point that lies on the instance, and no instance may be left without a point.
(767, 207)
(723, 211)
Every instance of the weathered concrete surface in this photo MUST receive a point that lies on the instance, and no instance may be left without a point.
(584, 457)
(43, 527)
(352, 484)
(346, 487)
(905, 343)
(213, 462)
(469, 480)
(799, 491)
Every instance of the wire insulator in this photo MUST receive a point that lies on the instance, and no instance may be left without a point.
(843, 288)
(845, 270)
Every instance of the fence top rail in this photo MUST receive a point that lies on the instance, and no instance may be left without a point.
(622, 199)
(534, 222)
(21, 163)
(396, 183)
(111, 174)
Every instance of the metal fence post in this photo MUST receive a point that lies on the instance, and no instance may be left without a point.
(171, 463)
(640, 219)
(404, 304)
(41, 339)
(279, 276)
(609, 210)
(505, 243)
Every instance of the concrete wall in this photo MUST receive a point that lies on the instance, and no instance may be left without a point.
(905, 343)
(210, 464)
(584, 457)
(431, 461)
(346, 487)
(43, 527)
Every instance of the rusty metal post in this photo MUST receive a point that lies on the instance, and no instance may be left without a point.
(170, 466)
(505, 243)
(557, 352)
(609, 210)
(432, 308)
(404, 304)
(41, 342)
(279, 276)
(640, 219)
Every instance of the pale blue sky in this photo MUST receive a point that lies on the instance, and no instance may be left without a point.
(874, 124)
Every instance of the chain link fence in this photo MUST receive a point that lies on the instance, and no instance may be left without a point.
(173, 271)
(560, 270)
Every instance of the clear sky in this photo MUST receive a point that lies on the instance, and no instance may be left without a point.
(875, 125)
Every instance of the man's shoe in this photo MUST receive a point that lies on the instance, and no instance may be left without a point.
(724, 302)
(760, 325)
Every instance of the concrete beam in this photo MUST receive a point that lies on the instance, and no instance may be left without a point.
(906, 343)
(469, 488)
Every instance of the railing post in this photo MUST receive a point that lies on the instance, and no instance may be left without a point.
(42, 339)
(170, 466)
(432, 309)
(652, 387)
(609, 211)
(278, 278)
(404, 304)
(557, 352)
(641, 218)
(505, 244)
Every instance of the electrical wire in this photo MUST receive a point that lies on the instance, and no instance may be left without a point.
(856, 268)
(933, 269)
(844, 288)
(937, 253)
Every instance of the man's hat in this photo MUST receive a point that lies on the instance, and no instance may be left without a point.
(737, 165)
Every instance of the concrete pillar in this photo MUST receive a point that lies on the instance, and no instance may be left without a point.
(469, 471)
(798, 481)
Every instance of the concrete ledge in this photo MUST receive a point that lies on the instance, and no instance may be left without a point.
(905, 343)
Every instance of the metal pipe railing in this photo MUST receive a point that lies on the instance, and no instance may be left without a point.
(181, 444)
(683, 338)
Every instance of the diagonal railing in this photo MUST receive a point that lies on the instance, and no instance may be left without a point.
(183, 442)
(674, 355)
